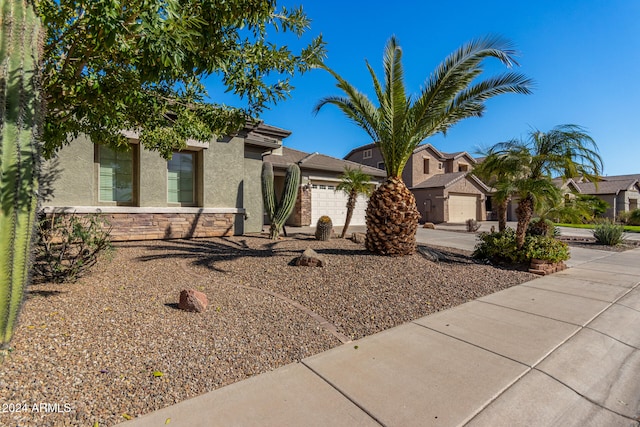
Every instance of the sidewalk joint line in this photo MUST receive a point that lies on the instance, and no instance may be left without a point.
(358, 405)
(588, 399)
(613, 338)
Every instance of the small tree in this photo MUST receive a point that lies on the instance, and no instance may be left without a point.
(353, 182)
(566, 150)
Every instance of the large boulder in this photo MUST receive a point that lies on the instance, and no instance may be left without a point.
(192, 300)
(311, 258)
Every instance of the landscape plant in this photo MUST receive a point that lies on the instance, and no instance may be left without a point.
(353, 182)
(324, 228)
(502, 247)
(399, 122)
(110, 66)
(566, 151)
(472, 225)
(634, 217)
(69, 245)
(20, 118)
(279, 210)
(608, 233)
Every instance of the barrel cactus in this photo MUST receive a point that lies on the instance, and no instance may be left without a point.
(324, 228)
(20, 115)
(279, 212)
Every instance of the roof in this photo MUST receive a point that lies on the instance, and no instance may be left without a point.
(441, 154)
(620, 177)
(606, 187)
(445, 180)
(317, 161)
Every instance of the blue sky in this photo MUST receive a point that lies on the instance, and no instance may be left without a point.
(584, 56)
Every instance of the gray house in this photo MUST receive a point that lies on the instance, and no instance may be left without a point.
(208, 189)
(621, 192)
(317, 195)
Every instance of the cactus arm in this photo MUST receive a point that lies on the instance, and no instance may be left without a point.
(268, 192)
(19, 117)
(289, 194)
(279, 214)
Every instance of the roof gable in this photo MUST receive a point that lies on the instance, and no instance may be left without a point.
(317, 161)
(608, 187)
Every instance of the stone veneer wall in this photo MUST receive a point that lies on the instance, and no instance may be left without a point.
(127, 226)
(301, 215)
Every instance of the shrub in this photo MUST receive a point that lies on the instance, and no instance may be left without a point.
(472, 225)
(608, 233)
(499, 247)
(634, 217)
(542, 227)
(545, 248)
(68, 245)
(502, 247)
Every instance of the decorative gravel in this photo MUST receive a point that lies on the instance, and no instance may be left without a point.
(114, 345)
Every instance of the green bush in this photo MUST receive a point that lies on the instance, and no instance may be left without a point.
(542, 227)
(545, 248)
(634, 217)
(68, 245)
(498, 246)
(608, 233)
(502, 247)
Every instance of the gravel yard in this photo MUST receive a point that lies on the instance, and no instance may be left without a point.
(90, 349)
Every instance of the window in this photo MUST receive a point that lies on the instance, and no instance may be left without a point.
(181, 177)
(440, 165)
(463, 168)
(381, 165)
(115, 178)
(425, 166)
(367, 154)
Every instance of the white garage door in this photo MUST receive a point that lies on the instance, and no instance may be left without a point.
(462, 207)
(326, 201)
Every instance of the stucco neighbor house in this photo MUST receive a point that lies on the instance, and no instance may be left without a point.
(317, 195)
(208, 189)
(621, 192)
(441, 183)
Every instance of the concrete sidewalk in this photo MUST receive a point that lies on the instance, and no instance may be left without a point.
(561, 350)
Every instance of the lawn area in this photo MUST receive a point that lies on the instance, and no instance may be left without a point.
(629, 228)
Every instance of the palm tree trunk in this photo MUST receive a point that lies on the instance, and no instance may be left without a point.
(351, 205)
(502, 214)
(524, 212)
(392, 219)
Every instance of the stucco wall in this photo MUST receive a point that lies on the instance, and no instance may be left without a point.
(70, 175)
(430, 204)
(413, 173)
(227, 177)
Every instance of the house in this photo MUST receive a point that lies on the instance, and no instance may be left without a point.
(441, 183)
(208, 189)
(621, 192)
(317, 195)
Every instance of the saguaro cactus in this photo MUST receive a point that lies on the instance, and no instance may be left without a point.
(20, 115)
(279, 212)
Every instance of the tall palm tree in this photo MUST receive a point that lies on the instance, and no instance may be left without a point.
(400, 122)
(566, 151)
(353, 182)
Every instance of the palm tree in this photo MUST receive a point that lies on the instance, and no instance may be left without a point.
(566, 151)
(500, 174)
(353, 182)
(399, 123)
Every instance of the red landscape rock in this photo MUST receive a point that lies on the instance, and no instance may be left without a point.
(192, 300)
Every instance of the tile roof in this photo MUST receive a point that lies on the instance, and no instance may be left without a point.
(606, 187)
(441, 180)
(317, 161)
(621, 177)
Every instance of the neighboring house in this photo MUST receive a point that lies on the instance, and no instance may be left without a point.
(208, 189)
(621, 192)
(317, 195)
(441, 183)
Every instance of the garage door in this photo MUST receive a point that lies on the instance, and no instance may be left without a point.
(462, 207)
(326, 201)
